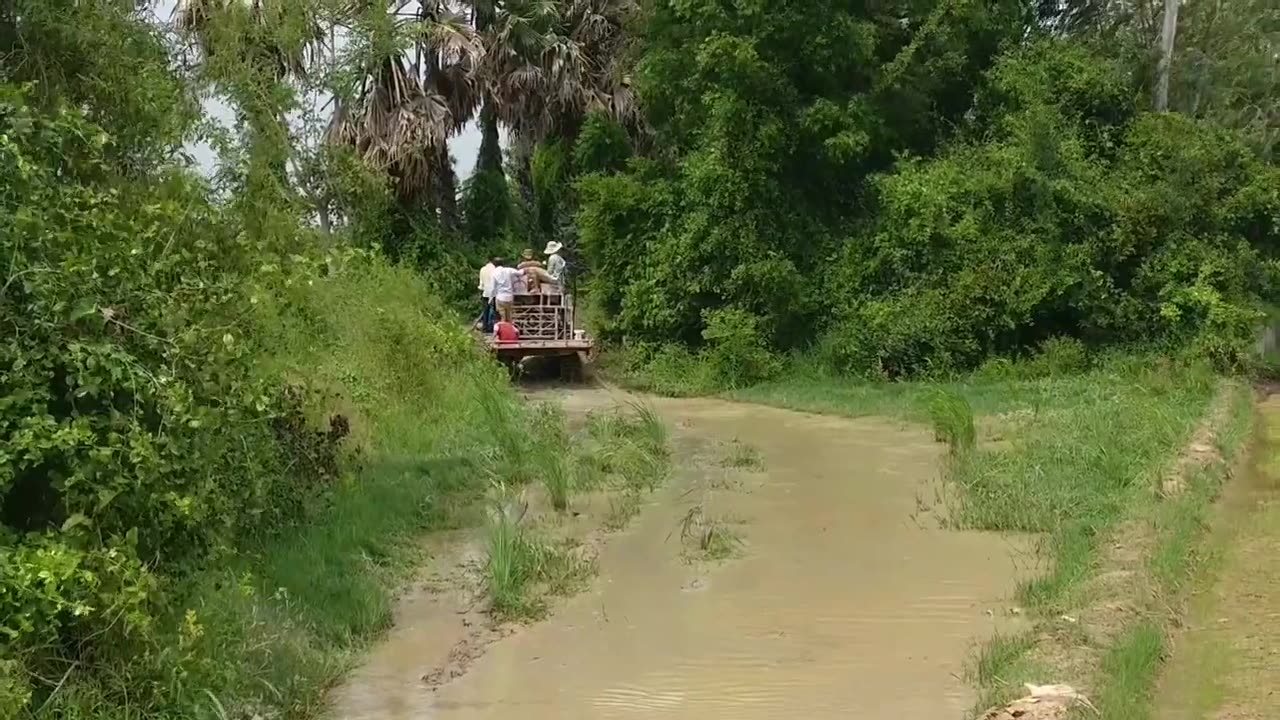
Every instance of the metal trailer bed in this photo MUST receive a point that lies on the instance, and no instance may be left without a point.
(548, 326)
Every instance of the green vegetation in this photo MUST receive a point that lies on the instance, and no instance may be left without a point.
(743, 456)
(1083, 462)
(231, 401)
(959, 185)
(1129, 671)
(521, 571)
(952, 420)
(705, 537)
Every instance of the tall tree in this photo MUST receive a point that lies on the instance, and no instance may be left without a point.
(1168, 35)
(415, 88)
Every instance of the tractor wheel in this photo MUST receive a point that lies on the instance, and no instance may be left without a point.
(571, 370)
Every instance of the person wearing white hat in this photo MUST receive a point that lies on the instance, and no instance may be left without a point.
(553, 276)
(555, 263)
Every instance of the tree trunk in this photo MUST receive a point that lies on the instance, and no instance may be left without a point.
(447, 193)
(1167, 34)
(8, 29)
(522, 147)
(490, 155)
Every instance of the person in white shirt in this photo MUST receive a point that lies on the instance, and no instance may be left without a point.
(486, 296)
(503, 282)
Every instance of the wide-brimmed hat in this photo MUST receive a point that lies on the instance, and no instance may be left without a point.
(552, 248)
(527, 254)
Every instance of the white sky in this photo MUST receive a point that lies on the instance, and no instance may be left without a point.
(464, 147)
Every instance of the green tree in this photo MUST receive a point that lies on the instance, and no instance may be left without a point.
(767, 120)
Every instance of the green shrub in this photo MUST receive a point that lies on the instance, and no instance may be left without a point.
(736, 352)
(135, 430)
(602, 146)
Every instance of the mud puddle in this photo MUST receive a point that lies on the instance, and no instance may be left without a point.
(843, 599)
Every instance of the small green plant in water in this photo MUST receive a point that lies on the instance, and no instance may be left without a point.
(557, 478)
(510, 564)
(742, 455)
(706, 537)
(521, 571)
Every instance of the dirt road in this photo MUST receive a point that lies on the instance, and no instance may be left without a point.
(844, 598)
(1226, 666)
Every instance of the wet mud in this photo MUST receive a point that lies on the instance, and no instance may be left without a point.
(842, 597)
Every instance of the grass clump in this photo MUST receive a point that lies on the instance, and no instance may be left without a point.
(707, 538)
(558, 479)
(743, 456)
(1129, 671)
(952, 419)
(522, 572)
(630, 444)
(998, 665)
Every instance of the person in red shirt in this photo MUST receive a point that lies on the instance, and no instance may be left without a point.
(505, 332)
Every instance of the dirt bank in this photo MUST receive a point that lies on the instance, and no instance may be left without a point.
(841, 596)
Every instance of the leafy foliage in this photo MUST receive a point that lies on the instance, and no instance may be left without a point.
(1158, 228)
(1058, 209)
(767, 123)
(136, 436)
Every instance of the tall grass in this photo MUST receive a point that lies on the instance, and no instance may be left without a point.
(1129, 672)
(510, 565)
(268, 626)
(521, 570)
(952, 419)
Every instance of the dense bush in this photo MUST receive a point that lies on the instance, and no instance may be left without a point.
(135, 435)
(1058, 210)
(1158, 230)
(766, 123)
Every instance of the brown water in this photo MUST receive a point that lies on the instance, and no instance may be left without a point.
(844, 601)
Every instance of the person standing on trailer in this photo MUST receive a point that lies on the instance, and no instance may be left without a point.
(504, 287)
(555, 262)
(486, 297)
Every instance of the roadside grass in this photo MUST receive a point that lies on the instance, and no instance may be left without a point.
(1129, 671)
(623, 449)
(952, 419)
(265, 628)
(997, 665)
(1079, 456)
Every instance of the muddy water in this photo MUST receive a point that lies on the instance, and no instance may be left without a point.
(845, 601)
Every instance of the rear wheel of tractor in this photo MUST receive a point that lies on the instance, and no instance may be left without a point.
(571, 369)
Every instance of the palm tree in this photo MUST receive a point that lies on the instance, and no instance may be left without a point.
(579, 66)
(281, 37)
(407, 104)
(546, 65)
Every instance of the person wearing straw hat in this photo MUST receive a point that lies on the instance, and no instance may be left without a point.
(527, 264)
